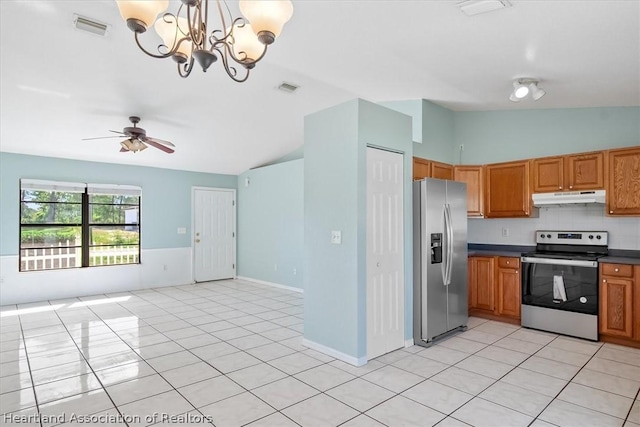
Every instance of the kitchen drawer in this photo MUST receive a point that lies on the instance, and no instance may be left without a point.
(617, 270)
(507, 262)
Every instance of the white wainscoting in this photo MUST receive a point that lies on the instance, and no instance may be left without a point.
(32, 286)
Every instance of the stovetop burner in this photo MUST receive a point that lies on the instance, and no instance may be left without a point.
(572, 245)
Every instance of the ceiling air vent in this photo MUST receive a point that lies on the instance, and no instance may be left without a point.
(476, 7)
(288, 87)
(90, 25)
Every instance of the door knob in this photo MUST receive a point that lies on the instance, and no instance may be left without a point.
(377, 264)
(197, 240)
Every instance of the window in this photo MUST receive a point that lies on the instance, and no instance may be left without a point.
(70, 225)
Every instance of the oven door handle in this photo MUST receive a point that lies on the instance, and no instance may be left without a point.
(577, 263)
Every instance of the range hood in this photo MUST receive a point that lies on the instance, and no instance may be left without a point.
(569, 198)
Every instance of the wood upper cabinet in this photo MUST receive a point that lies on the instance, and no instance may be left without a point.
(424, 168)
(441, 170)
(569, 173)
(623, 197)
(481, 283)
(548, 174)
(585, 171)
(507, 190)
(508, 290)
(421, 168)
(473, 177)
(617, 292)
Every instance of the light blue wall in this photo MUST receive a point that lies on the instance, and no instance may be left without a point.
(271, 223)
(166, 194)
(331, 203)
(432, 127)
(437, 133)
(495, 136)
(335, 199)
(412, 108)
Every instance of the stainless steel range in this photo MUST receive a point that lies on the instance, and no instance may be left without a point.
(560, 282)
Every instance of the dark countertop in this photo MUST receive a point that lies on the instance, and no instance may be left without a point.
(480, 252)
(620, 260)
(478, 249)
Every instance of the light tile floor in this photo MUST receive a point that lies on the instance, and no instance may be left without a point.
(231, 352)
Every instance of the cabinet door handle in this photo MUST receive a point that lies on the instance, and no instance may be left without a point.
(571, 186)
(616, 269)
(507, 262)
(516, 271)
(610, 212)
(604, 280)
(560, 187)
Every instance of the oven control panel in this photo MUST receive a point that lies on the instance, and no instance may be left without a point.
(600, 238)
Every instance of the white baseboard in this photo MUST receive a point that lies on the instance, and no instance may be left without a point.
(355, 361)
(409, 343)
(275, 285)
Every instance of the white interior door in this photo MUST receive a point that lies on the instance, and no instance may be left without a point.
(385, 252)
(214, 239)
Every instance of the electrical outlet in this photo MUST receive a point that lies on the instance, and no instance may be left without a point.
(461, 147)
(505, 232)
(336, 237)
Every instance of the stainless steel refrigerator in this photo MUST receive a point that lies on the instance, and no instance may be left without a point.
(440, 298)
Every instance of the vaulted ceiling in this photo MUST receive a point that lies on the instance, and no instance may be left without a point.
(59, 85)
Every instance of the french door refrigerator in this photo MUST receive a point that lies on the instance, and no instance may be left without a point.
(440, 298)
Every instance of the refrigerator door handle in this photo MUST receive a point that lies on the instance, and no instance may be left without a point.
(445, 247)
(449, 234)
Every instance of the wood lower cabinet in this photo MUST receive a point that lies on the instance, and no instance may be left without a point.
(481, 283)
(548, 174)
(441, 170)
(507, 190)
(618, 288)
(421, 168)
(623, 197)
(473, 177)
(508, 291)
(494, 287)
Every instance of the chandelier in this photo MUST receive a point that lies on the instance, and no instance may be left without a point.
(186, 36)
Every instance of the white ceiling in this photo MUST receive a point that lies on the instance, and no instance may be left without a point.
(59, 85)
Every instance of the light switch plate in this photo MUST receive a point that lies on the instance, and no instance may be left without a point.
(182, 230)
(336, 237)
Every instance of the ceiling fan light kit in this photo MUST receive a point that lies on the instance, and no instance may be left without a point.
(187, 35)
(525, 87)
(137, 139)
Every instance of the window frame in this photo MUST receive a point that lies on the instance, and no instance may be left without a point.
(86, 219)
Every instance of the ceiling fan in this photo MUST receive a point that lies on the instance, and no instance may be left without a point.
(137, 139)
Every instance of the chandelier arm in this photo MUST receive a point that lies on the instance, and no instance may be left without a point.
(231, 71)
(194, 27)
(153, 55)
(185, 69)
(223, 21)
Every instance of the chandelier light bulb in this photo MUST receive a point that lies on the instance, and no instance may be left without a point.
(170, 35)
(267, 17)
(140, 14)
(246, 46)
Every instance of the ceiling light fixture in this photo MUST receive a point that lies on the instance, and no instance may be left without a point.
(187, 36)
(523, 87)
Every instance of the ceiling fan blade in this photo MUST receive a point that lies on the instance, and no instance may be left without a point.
(123, 150)
(101, 137)
(118, 132)
(159, 141)
(153, 143)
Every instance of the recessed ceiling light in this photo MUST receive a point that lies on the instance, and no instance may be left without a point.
(288, 87)
(476, 7)
(90, 25)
